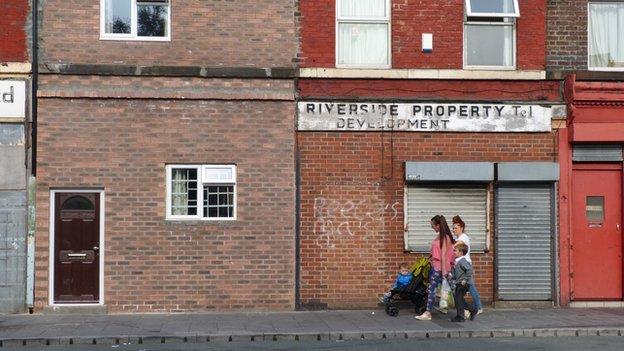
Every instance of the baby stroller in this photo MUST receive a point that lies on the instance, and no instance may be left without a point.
(415, 291)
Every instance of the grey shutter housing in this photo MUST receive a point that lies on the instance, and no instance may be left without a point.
(524, 230)
(597, 153)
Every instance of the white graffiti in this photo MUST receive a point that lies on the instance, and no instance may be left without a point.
(345, 219)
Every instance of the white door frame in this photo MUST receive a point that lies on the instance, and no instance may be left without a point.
(51, 247)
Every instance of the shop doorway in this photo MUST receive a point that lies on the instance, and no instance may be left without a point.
(597, 232)
(76, 247)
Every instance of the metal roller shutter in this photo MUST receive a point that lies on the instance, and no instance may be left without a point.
(524, 229)
(424, 202)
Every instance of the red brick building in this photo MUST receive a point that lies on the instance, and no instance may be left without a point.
(166, 156)
(15, 156)
(591, 60)
(407, 109)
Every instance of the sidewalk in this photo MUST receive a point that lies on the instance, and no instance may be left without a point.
(318, 325)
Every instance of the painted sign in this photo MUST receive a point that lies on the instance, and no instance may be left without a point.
(12, 98)
(426, 117)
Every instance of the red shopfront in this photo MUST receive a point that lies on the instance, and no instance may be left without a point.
(591, 156)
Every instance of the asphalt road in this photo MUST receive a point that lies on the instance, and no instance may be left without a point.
(601, 343)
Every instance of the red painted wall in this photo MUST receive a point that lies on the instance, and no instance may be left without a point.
(411, 18)
(13, 45)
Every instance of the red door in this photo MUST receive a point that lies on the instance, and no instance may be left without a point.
(76, 248)
(596, 232)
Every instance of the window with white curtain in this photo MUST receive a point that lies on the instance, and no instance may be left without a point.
(135, 19)
(490, 34)
(201, 192)
(363, 33)
(605, 37)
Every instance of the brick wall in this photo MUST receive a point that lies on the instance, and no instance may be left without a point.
(254, 33)
(411, 18)
(13, 17)
(469, 90)
(152, 265)
(352, 205)
(566, 38)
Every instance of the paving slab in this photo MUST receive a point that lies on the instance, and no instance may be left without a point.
(305, 325)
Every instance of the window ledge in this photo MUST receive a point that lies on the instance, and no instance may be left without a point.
(173, 220)
(421, 74)
(15, 68)
(146, 39)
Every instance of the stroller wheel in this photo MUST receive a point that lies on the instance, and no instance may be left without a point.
(392, 311)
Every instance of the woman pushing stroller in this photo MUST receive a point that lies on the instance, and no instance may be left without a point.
(442, 256)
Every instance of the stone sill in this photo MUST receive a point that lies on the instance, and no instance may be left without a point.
(421, 74)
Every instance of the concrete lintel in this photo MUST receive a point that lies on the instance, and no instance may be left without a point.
(422, 74)
(15, 68)
(167, 71)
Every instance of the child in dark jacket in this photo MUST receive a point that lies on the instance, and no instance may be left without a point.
(460, 280)
(404, 277)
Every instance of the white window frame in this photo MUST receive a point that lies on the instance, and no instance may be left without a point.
(201, 183)
(133, 36)
(512, 23)
(590, 68)
(363, 20)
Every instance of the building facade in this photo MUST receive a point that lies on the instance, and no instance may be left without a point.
(15, 154)
(410, 109)
(591, 61)
(166, 156)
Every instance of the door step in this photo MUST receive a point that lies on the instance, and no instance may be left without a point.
(597, 304)
(87, 309)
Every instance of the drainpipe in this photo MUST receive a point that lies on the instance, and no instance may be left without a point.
(35, 77)
(30, 238)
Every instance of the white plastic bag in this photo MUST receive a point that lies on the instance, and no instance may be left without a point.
(444, 293)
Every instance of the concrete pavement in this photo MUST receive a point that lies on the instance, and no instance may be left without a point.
(16, 330)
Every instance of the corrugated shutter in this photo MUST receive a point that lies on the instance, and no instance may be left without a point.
(524, 242)
(12, 251)
(597, 152)
(424, 202)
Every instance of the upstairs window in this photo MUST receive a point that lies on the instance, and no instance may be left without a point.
(135, 19)
(605, 45)
(363, 33)
(490, 34)
(201, 192)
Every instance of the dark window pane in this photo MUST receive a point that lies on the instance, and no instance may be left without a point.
(212, 199)
(152, 20)
(223, 199)
(223, 212)
(77, 203)
(212, 212)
